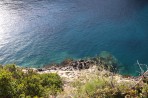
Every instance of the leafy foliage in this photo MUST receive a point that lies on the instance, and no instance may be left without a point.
(14, 83)
(100, 89)
(52, 82)
(6, 84)
(109, 87)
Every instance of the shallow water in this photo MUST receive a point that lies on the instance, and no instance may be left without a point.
(38, 32)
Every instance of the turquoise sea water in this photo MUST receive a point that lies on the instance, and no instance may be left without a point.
(39, 32)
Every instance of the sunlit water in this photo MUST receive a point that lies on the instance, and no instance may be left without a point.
(38, 32)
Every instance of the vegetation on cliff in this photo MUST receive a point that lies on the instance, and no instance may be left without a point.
(104, 84)
(14, 83)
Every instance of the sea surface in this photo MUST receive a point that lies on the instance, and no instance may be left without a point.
(38, 32)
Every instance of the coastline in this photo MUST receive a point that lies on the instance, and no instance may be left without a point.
(70, 75)
(85, 78)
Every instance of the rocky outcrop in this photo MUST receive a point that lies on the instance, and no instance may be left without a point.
(73, 65)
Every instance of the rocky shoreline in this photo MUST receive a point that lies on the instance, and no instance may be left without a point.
(72, 65)
(85, 70)
(104, 60)
(72, 69)
(67, 69)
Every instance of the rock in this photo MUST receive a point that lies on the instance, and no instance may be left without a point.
(41, 69)
(81, 60)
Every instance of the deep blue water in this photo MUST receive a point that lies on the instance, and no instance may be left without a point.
(39, 32)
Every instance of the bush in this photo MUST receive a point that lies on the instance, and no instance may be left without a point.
(14, 83)
(33, 86)
(89, 89)
(104, 87)
(6, 84)
(52, 82)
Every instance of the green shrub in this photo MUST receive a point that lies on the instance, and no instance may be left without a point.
(16, 71)
(89, 89)
(7, 88)
(33, 86)
(106, 88)
(14, 83)
(52, 82)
